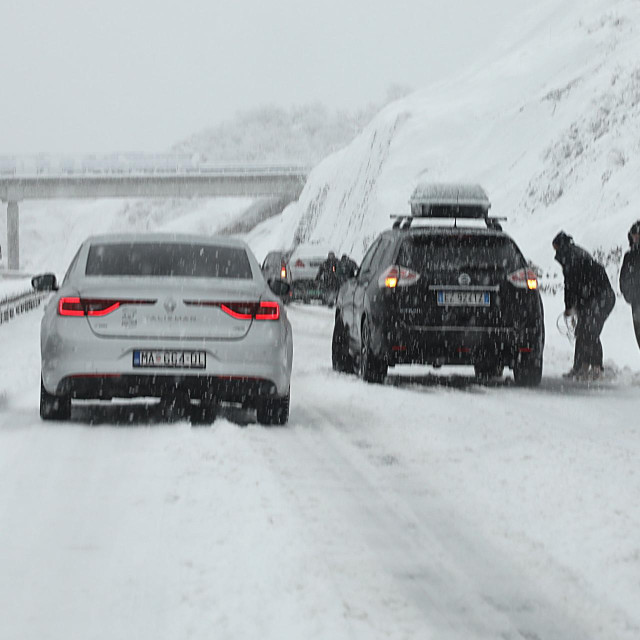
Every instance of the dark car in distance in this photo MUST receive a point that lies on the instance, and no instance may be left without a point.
(441, 295)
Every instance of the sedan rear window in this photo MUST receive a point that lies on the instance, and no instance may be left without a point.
(168, 259)
(455, 252)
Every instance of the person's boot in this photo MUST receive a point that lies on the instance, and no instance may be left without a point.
(584, 373)
(596, 372)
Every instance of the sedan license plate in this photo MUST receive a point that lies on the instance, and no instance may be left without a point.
(170, 358)
(464, 298)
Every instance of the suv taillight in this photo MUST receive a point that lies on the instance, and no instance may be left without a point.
(299, 263)
(523, 279)
(283, 271)
(397, 276)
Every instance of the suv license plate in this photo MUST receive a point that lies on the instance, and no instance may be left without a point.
(170, 358)
(464, 298)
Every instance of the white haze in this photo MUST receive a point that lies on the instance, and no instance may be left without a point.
(136, 75)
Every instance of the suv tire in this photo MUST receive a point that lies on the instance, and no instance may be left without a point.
(372, 369)
(488, 369)
(527, 372)
(341, 359)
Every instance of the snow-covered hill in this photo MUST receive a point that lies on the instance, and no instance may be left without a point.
(551, 128)
(302, 134)
(273, 134)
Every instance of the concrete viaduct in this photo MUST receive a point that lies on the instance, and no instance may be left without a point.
(282, 182)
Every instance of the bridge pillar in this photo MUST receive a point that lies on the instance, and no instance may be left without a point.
(13, 236)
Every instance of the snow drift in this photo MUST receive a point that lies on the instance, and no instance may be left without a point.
(550, 127)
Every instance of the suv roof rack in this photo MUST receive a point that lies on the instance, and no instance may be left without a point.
(448, 200)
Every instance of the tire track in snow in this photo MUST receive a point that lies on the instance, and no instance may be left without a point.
(448, 578)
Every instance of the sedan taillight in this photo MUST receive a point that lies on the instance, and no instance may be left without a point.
(396, 276)
(268, 310)
(239, 310)
(265, 310)
(74, 306)
(524, 279)
(70, 307)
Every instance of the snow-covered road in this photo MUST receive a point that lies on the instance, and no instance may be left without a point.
(429, 507)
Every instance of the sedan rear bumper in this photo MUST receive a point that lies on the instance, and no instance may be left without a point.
(75, 360)
(246, 391)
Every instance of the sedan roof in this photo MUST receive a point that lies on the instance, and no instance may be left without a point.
(167, 237)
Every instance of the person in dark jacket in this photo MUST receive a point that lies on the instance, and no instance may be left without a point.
(328, 277)
(630, 276)
(346, 268)
(589, 296)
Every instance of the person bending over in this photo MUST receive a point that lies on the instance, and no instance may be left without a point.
(589, 296)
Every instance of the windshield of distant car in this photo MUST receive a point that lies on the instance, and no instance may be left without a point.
(158, 259)
(454, 252)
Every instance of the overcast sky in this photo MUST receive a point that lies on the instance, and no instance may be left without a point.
(134, 75)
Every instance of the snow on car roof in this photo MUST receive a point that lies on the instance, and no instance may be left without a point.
(166, 237)
(453, 193)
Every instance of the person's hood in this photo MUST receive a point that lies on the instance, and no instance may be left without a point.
(564, 254)
(564, 247)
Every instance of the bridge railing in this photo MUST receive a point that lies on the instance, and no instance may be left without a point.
(122, 164)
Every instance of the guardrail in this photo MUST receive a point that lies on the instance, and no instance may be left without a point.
(16, 305)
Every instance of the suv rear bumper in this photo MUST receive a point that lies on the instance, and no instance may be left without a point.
(459, 345)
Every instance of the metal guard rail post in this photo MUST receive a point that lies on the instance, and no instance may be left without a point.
(13, 306)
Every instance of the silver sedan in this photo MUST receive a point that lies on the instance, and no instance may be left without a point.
(167, 316)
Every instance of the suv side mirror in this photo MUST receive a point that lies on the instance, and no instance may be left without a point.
(279, 287)
(44, 282)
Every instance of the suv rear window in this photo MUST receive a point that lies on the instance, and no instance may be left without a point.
(454, 252)
(168, 259)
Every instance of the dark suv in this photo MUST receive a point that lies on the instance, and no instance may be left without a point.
(442, 295)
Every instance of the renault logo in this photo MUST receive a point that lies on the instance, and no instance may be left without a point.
(464, 279)
(170, 305)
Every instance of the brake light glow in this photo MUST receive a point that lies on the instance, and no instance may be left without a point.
(74, 306)
(283, 272)
(265, 310)
(70, 307)
(397, 276)
(524, 279)
(268, 311)
(239, 310)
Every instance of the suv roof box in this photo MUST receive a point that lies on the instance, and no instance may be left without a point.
(457, 200)
(449, 200)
